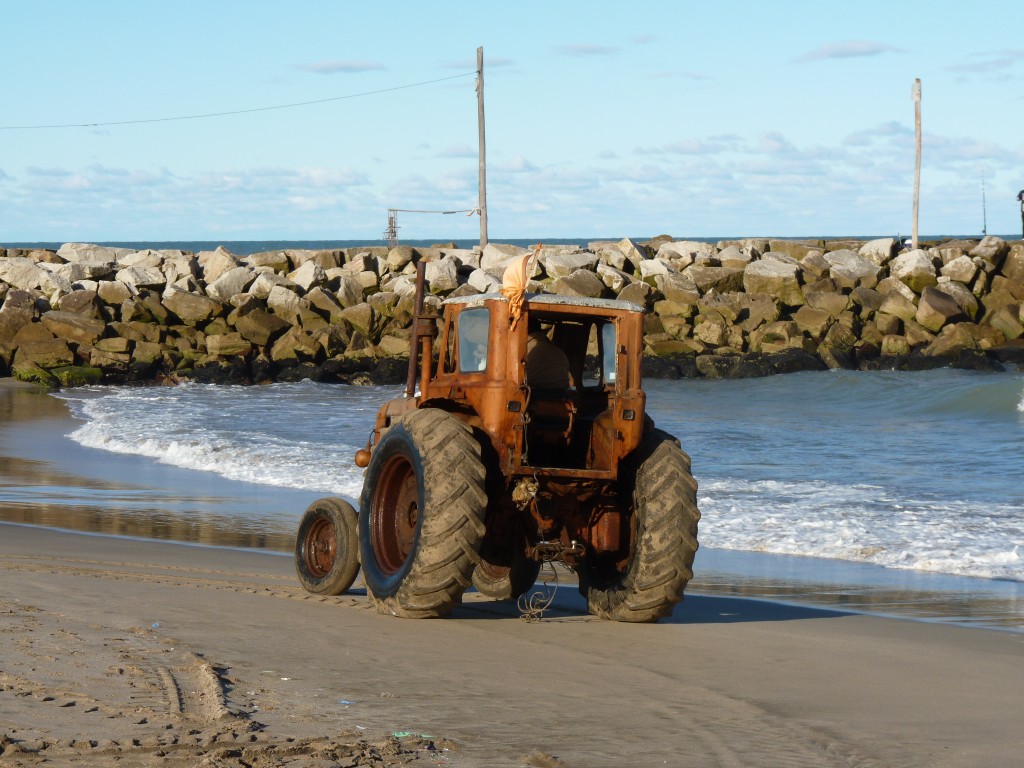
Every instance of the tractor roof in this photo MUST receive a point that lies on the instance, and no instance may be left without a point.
(549, 300)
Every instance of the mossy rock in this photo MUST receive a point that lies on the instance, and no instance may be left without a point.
(32, 374)
(77, 375)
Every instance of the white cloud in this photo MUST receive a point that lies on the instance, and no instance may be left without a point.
(681, 75)
(458, 150)
(847, 50)
(348, 67)
(587, 49)
(518, 164)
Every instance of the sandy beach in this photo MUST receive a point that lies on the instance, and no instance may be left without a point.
(117, 649)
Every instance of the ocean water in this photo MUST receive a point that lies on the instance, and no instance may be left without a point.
(908, 471)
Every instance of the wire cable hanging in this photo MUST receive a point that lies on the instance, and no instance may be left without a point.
(233, 112)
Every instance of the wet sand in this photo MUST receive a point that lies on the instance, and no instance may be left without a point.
(118, 650)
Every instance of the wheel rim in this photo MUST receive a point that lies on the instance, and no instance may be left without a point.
(394, 514)
(321, 548)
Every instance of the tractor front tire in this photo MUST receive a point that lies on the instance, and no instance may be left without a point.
(664, 538)
(327, 547)
(421, 515)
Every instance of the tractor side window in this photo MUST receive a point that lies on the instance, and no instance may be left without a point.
(592, 362)
(608, 352)
(474, 329)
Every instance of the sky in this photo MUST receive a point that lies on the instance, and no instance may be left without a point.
(603, 119)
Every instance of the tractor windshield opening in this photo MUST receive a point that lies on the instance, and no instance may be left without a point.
(474, 333)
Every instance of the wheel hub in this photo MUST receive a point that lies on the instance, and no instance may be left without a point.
(395, 514)
(321, 548)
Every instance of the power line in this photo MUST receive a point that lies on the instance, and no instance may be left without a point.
(233, 112)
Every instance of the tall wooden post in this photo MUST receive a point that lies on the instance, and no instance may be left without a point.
(482, 199)
(917, 164)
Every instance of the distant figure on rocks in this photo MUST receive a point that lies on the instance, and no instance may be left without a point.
(547, 366)
(1020, 198)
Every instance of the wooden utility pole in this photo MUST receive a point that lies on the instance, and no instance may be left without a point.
(916, 93)
(482, 199)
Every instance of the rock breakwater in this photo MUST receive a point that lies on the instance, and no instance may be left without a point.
(88, 314)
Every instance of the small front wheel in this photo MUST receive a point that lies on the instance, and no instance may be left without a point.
(327, 547)
(500, 581)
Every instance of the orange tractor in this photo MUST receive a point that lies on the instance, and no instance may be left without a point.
(525, 441)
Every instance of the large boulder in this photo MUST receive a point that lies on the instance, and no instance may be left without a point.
(265, 282)
(966, 300)
(231, 283)
(85, 303)
(296, 345)
(836, 350)
(677, 288)
(138, 278)
(682, 253)
(798, 249)
(442, 276)
(76, 271)
(21, 272)
(349, 291)
(73, 328)
(144, 258)
(44, 354)
(951, 341)
(851, 270)
(721, 279)
(878, 251)
(777, 336)
(935, 309)
(564, 264)
(1007, 319)
(483, 281)
(276, 261)
(609, 253)
(813, 322)
(732, 257)
(94, 253)
(914, 269)
(290, 307)
(113, 293)
(228, 344)
(775, 278)
(638, 293)
(898, 305)
(498, 255)
(259, 326)
(215, 263)
(327, 303)
(400, 256)
(962, 269)
(309, 275)
(582, 282)
(190, 308)
(1013, 264)
(991, 249)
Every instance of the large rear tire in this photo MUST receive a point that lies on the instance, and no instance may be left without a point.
(664, 540)
(327, 547)
(421, 515)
